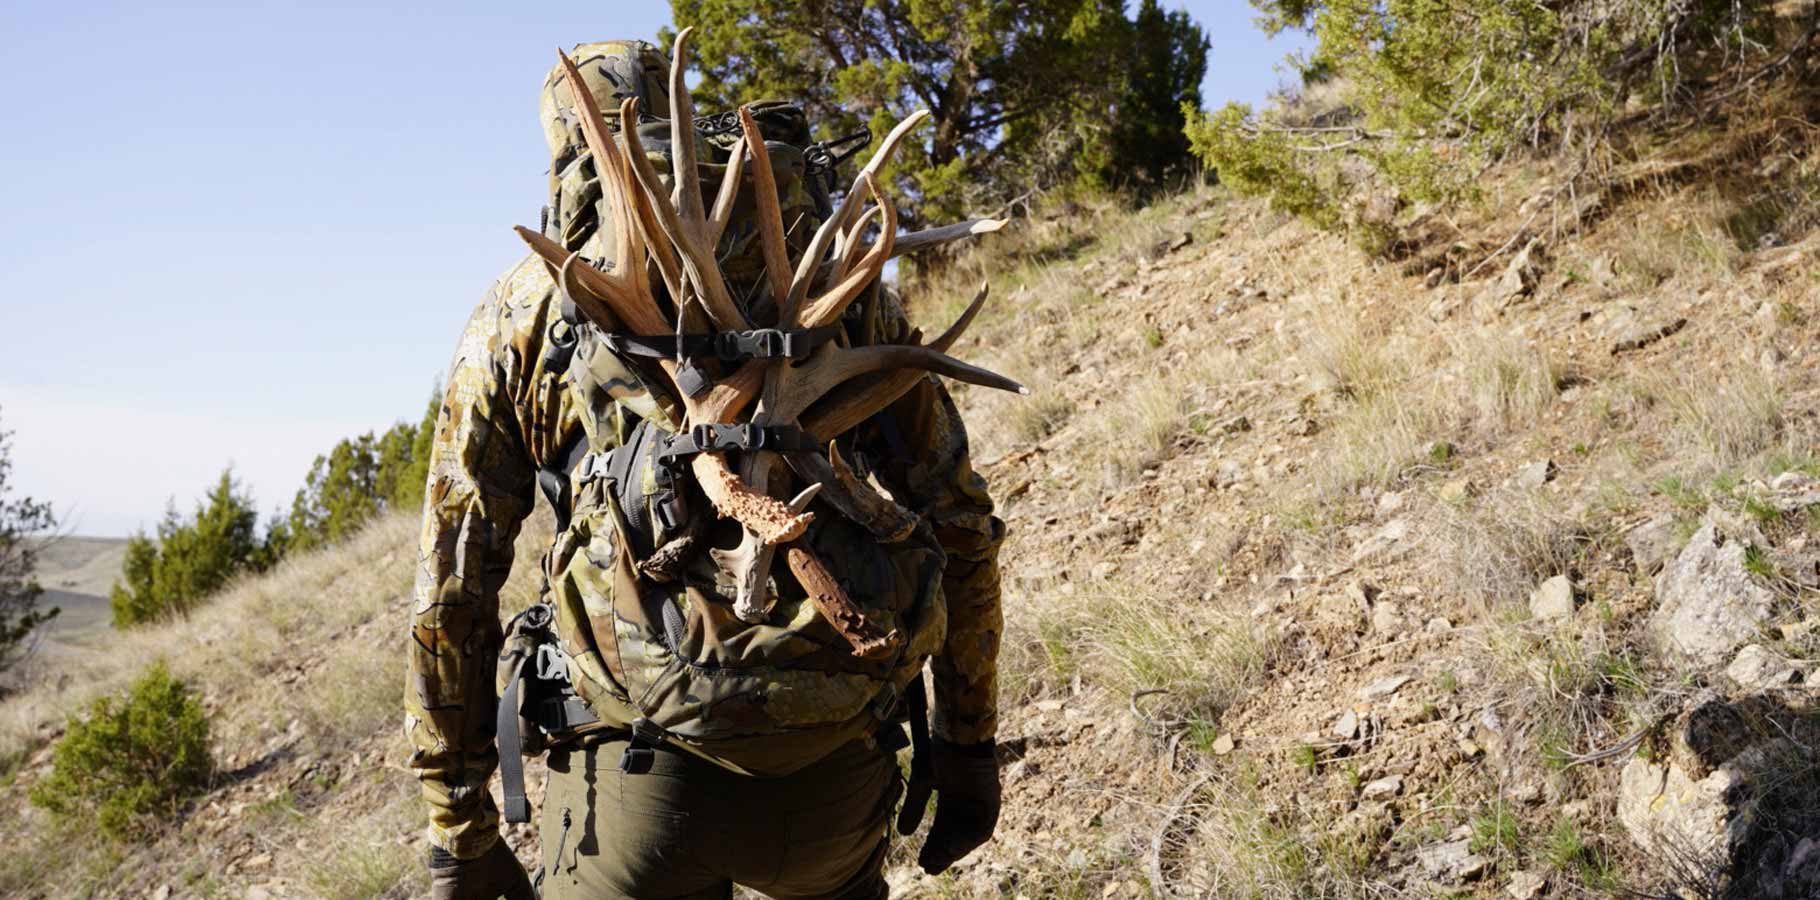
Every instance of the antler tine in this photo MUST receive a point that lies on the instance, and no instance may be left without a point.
(831, 600)
(934, 237)
(682, 140)
(770, 216)
(663, 254)
(729, 193)
(697, 261)
(629, 245)
(852, 404)
(828, 307)
(963, 320)
(634, 309)
(887, 231)
(880, 157)
(810, 264)
(763, 514)
(896, 136)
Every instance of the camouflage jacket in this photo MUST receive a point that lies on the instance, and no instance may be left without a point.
(504, 415)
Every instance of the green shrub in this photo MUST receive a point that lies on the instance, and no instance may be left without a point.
(133, 761)
(192, 557)
(1410, 100)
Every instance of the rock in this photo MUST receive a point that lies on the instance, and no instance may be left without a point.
(162, 893)
(1383, 687)
(1536, 474)
(1437, 625)
(1794, 491)
(1707, 604)
(1386, 618)
(1526, 885)
(1456, 491)
(1518, 281)
(1631, 332)
(1388, 538)
(1019, 770)
(1651, 543)
(1223, 744)
(1701, 801)
(1388, 786)
(1112, 532)
(1389, 502)
(1758, 668)
(1666, 811)
(1451, 861)
(1552, 599)
(1347, 727)
(1228, 473)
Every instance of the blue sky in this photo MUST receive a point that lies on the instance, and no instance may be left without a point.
(237, 233)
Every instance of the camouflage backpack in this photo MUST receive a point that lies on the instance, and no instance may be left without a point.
(690, 605)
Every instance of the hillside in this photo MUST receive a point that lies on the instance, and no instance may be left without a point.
(76, 574)
(1327, 576)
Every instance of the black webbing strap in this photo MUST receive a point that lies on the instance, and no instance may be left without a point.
(554, 480)
(713, 438)
(732, 346)
(535, 619)
(921, 782)
(511, 750)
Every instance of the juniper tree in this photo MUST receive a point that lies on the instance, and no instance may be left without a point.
(21, 520)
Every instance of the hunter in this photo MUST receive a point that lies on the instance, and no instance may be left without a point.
(701, 729)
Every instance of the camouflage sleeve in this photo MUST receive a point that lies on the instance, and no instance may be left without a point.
(501, 416)
(944, 487)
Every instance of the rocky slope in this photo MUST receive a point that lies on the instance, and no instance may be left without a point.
(1327, 577)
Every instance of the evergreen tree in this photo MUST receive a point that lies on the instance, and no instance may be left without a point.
(20, 520)
(192, 558)
(1167, 57)
(1020, 92)
(392, 466)
(339, 495)
(1427, 95)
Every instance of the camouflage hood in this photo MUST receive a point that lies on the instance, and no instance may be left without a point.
(613, 71)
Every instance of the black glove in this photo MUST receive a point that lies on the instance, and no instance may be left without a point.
(489, 876)
(965, 781)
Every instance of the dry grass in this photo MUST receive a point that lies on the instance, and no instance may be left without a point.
(308, 656)
(1724, 419)
(1508, 383)
(1124, 636)
(1493, 550)
(1349, 358)
(1251, 844)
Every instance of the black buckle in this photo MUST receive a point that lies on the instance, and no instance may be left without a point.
(692, 379)
(762, 343)
(636, 760)
(639, 754)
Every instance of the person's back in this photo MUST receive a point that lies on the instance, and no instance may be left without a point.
(713, 716)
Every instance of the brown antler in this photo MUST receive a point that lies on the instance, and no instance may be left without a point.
(669, 234)
(627, 293)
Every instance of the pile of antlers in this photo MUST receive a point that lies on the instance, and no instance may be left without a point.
(834, 389)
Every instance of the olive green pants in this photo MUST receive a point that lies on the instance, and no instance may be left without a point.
(690, 829)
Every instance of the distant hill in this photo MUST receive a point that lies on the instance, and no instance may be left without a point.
(77, 573)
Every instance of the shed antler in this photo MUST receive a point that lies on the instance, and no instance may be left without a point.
(670, 233)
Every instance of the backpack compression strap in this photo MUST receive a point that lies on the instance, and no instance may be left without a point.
(715, 438)
(732, 346)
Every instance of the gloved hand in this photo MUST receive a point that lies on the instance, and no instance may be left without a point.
(965, 781)
(489, 876)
